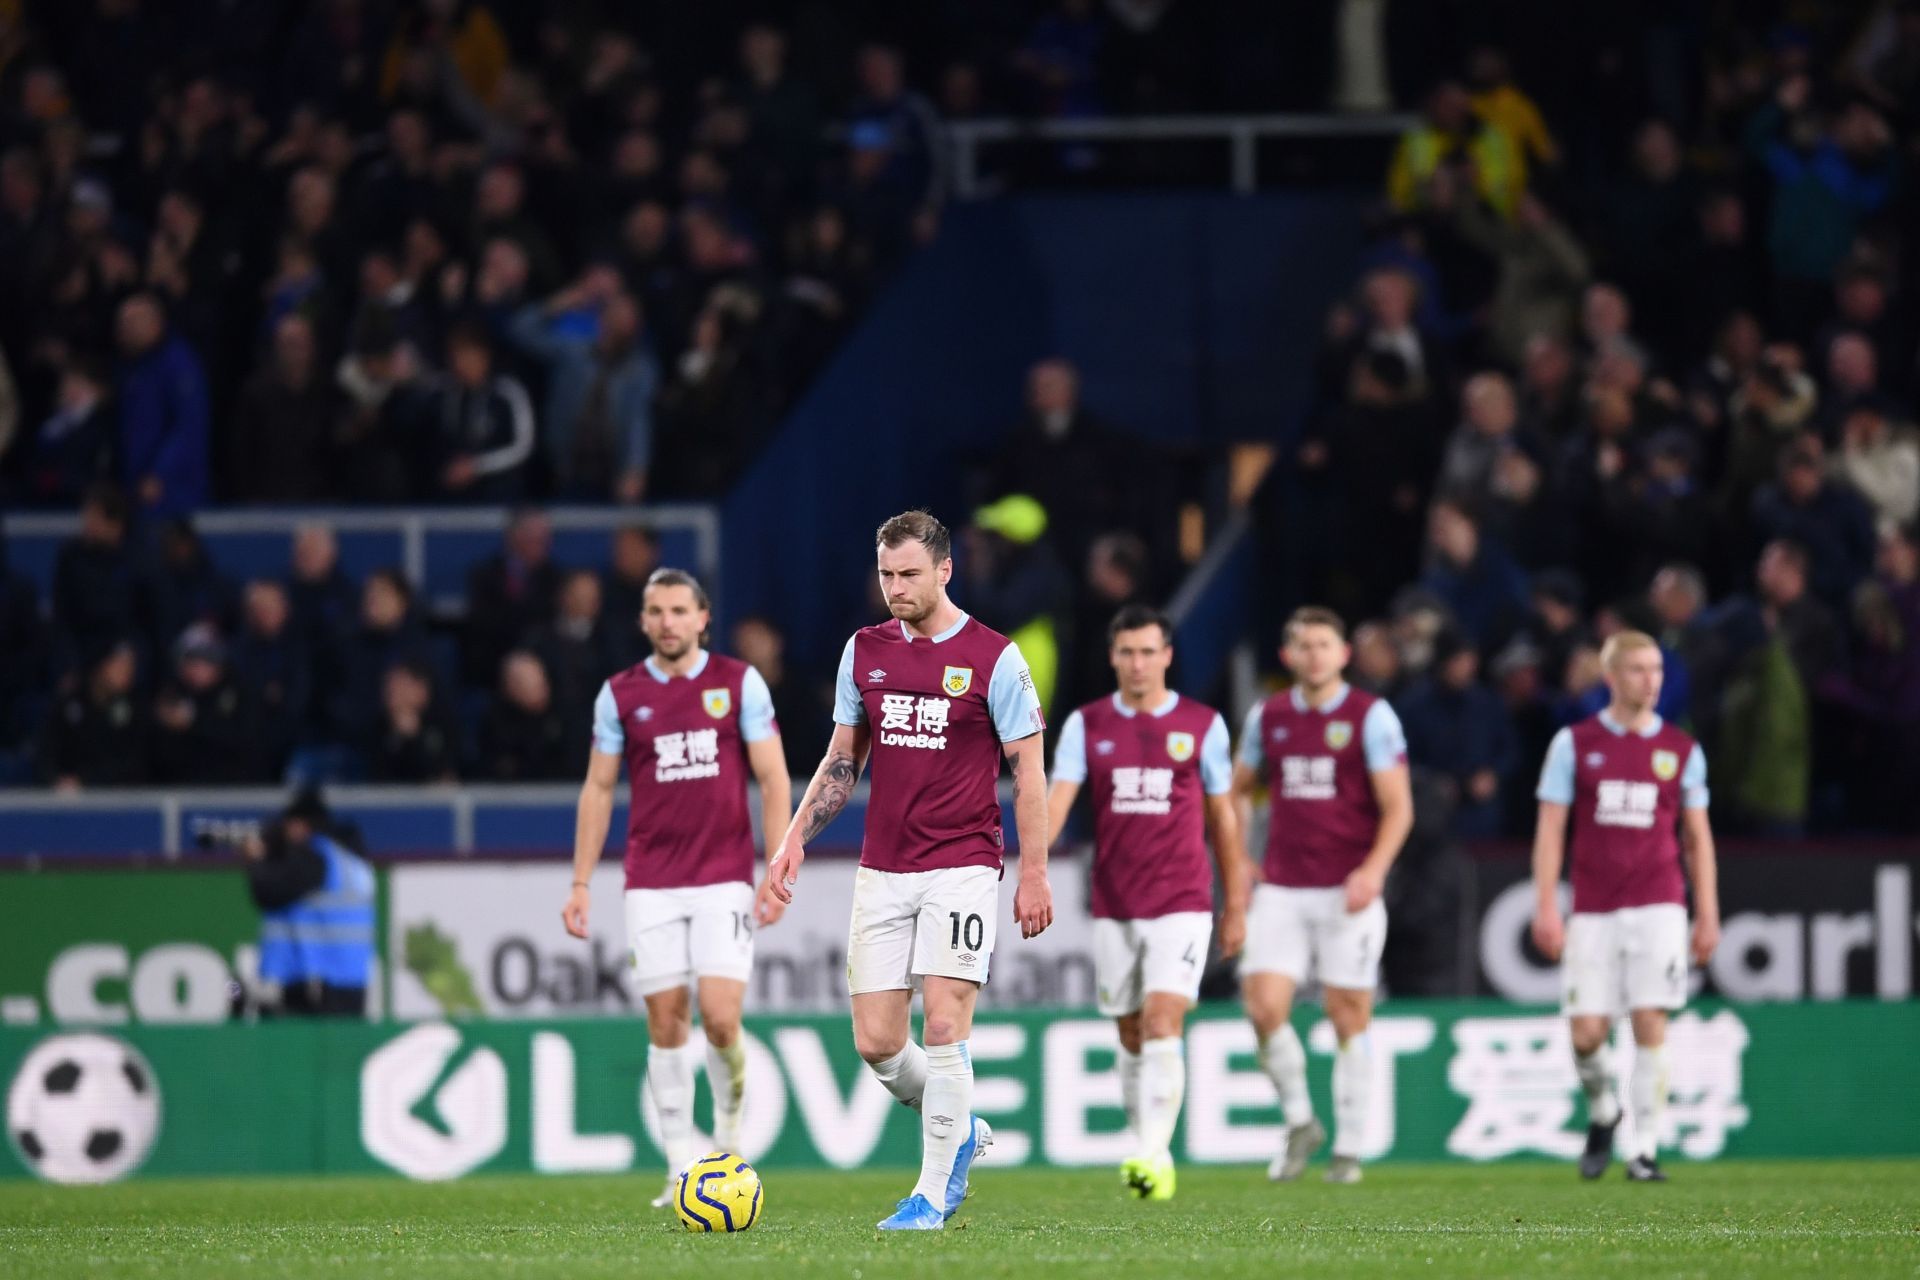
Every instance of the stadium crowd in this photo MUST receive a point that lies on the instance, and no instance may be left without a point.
(1633, 343)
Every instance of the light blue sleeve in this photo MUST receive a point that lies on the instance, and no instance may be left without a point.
(1556, 775)
(1384, 741)
(1011, 699)
(847, 707)
(756, 708)
(1216, 759)
(1253, 752)
(1070, 755)
(1693, 779)
(608, 737)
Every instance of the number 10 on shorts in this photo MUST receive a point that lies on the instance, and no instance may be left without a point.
(971, 930)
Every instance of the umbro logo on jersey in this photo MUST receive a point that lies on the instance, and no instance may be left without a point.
(1103, 747)
(643, 714)
(875, 676)
(1280, 734)
(1595, 759)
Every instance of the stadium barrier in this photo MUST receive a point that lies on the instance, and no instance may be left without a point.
(482, 938)
(1470, 1081)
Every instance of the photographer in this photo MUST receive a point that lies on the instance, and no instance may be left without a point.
(315, 892)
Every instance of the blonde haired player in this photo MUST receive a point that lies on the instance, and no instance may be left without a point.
(1624, 780)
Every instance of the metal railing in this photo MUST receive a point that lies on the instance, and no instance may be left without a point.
(1242, 134)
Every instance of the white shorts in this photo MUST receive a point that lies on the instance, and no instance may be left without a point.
(908, 924)
(677, 935)
(1302, 933)
(1164, 953)
(1619, 961)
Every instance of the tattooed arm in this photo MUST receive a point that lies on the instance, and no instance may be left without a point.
(827, 795)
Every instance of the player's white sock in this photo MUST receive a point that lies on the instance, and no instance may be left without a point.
(1128, 1065)
(727, 1077)
(1163, 1083)
(904, 1074)
(946, 1118)
(1596, 1080)
(670, 1081)
(1649, 1088)
(1284, 1059)
(1352, 1069)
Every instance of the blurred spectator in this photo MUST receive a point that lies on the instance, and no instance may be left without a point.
(206, 721)
(283, 430)
(1542, 270)
(1520, 681)
(478, 425)
(1486, 435)
(1826, 518)
(1451, 133)
(526, 737)
(98, 735)
(1013, 575)
(575, 649)
(600, 385)
(1881, 689)
(458, 40)
(387, 635)
(184, 586)
(898, 152)
(1649, 234)
(323, 599)
(94, 582)
(1784, 609)
(74, 447)
(1881, 461)
(1081, 472)
(1057, 66)
(1827, 173)
(1376, 660)
(268, 656)
(1458, 729)
(1116, 576)
(508, 594)
(1505, 105)
(164, 429)
(635, 554)
(378, 380)
(412, 740)
(782, 111)
(1475, 578)
(800, 711)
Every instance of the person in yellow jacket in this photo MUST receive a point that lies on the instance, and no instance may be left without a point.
(1506, 106)
(1451, 133)
(1013, 577)
(468, 34)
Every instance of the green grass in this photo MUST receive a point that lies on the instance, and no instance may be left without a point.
(1836, 1220)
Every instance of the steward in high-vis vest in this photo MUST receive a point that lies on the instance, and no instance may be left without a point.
(316, 897)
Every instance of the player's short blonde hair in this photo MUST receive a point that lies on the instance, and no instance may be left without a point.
(1622, 643)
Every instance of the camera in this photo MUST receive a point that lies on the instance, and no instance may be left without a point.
(227, 835)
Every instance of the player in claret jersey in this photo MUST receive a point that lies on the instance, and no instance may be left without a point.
(687, 726)
(1161, 773)
(1334, 760)
(935, 698)
(1628, 781)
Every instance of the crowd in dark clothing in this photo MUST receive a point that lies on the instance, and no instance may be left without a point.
(430, 250)
(1669, 387)
(171, 673)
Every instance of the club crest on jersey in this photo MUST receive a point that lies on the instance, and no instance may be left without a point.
(1665, 765)
(957, 681)
(1339, 734)
(717, 701)
(1180, 746)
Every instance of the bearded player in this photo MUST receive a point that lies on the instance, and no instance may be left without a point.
(1633, 788)
(934, 698)
(1161, 773)
(1334, 760)
(688, 726)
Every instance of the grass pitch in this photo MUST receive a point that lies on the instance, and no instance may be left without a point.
(1729, 1219)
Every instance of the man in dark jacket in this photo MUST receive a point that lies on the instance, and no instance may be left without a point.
(1458, 728)
(526, 737)
(207, 721)
(508, 594)
(98, 735)
(163, 412)
(283, 429)
(94, 579)
(477, 429)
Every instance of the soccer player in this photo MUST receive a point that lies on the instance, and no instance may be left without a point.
(687, 725)
(1334, 759)
(1627, 779)
(934, 698)
(1161, 771)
